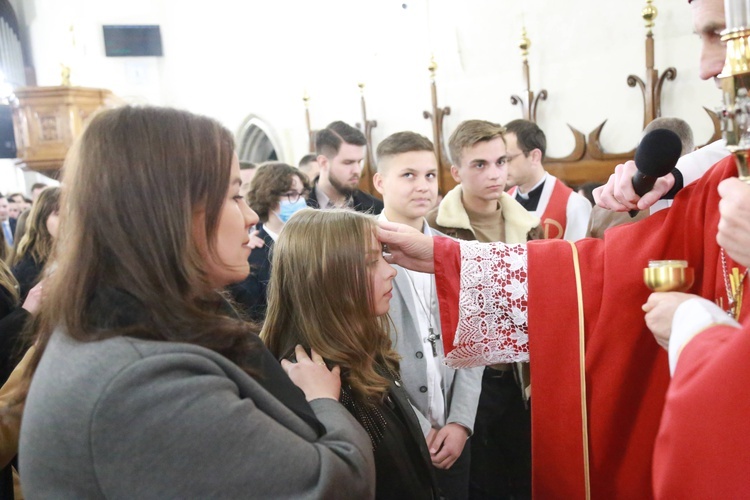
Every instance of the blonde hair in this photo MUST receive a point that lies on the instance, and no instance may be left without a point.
(8, 281)
(319, 297)
(37, 242)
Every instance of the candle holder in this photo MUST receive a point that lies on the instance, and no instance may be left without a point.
(735, 84)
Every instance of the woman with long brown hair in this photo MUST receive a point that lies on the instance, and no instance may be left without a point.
(35, 248)
(145, 382)
(330, 292)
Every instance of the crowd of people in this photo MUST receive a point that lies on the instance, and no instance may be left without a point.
(272, 331)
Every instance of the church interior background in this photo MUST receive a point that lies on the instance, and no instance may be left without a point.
(275, 71)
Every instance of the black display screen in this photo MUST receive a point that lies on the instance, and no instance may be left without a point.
(132, 41)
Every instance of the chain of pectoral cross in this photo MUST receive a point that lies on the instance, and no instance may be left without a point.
(432, 337)
(734, 284)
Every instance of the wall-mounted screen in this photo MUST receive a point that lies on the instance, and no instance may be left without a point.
(132, 40)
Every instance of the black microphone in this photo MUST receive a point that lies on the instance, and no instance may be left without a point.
(656, 156)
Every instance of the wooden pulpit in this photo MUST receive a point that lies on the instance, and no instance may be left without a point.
(47, 120)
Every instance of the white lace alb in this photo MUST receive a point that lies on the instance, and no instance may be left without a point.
(493, 300)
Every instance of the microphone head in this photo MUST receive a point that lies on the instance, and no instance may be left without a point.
(658, 152)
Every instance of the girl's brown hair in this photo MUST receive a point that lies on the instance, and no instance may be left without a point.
(8, 282)
(37, 242)
(319, 297)
(133, 184)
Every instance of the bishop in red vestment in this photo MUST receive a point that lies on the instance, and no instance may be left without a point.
(703, 446)
(592, 435)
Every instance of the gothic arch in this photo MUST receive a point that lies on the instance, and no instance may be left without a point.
(256, 141)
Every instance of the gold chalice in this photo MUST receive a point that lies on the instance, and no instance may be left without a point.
(668, 275)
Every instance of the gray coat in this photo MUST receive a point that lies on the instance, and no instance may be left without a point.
(128, 418)
(461, 388)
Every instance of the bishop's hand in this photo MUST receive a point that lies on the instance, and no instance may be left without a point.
(659, 310)
(734, 225)
(406, 247)
(618, 194)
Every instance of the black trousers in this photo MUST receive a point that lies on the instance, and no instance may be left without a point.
(501, 444)
(454, 482)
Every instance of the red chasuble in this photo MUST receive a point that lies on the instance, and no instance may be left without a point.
(703, 447)
(626, 371)
(555, 216)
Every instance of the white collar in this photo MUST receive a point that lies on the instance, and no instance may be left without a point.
(425, 227)
(525, 195)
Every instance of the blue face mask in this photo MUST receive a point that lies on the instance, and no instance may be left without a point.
(287, 209)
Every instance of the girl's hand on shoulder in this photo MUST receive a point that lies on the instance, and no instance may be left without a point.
(255, 240)
(311, 374)
(34, 298)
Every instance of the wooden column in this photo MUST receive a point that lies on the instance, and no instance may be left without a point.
(310, 131)
(368, 169)
(445, 180)
(527, 101)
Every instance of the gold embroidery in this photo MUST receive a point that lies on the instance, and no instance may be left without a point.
(582, 363)
(553, 223)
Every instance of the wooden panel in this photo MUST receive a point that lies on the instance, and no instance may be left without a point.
(47, 120)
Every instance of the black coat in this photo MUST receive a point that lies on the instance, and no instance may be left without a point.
(360, 201)
(12, 321)
(27, 272)
(13, 318)
(250, 294)
(403, 468)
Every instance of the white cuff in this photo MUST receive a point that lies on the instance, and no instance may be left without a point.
(659, 205)
(690, 318)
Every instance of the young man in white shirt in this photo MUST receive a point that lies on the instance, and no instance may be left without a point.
(445, 400)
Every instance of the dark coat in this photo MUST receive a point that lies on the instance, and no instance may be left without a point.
(250, 294)
(360, 201)
(12, 321)
(27, 272)
(13, 318)
(394, 478)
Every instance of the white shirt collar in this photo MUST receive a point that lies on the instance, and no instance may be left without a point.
(426, 229)
(525, 195)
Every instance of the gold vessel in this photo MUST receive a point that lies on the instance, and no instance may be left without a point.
(668, 276)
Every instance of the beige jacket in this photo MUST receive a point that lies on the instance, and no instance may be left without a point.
(450, 217)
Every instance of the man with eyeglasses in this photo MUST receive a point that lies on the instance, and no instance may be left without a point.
(564, 213)
(341, 151)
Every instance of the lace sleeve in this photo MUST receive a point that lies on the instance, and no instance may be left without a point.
(493, 317)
